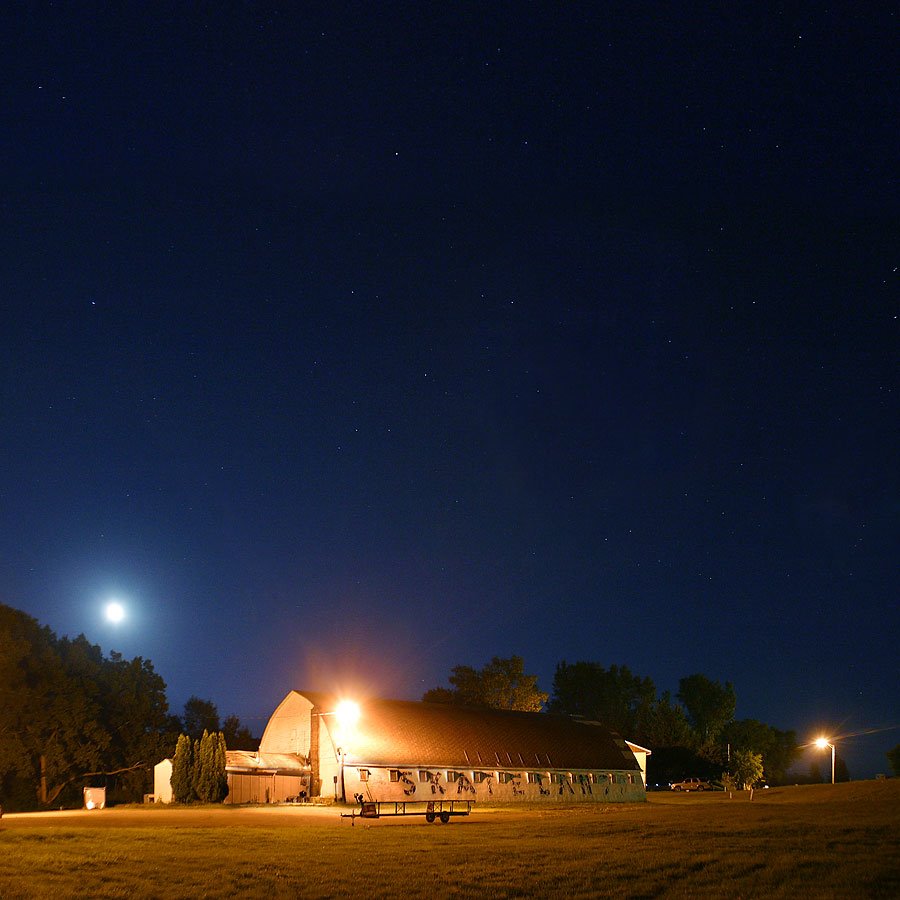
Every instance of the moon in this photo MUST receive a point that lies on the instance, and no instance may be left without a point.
(115, 612)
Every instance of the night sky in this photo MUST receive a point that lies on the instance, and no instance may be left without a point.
(346, 345)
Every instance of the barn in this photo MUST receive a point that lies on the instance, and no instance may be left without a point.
(402, 750)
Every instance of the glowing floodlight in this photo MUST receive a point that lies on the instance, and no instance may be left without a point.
(822, 743)
(347, 713)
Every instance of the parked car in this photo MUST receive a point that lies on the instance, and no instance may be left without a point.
(691, 784)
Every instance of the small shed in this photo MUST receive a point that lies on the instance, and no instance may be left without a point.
(255, 777)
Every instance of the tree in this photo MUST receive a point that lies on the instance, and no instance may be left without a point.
(501, 684)
(664, 724)
(440, 695)
(237, 736)
(182, 779)
(779, 749)
(894, 759)
(68, 714)
(220, 777)
(134, 711)
(747, 768)
(709, 705)
(202, 768)
(841, 772)
(210, 782)
(613, 696)
(199, 716)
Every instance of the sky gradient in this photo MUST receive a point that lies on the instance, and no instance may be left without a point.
(346, 346)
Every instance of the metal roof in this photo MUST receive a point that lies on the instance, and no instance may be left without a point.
(250, 761)
(409, 733)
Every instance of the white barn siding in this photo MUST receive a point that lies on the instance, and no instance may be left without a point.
(264, 787)
(407, 783)
(288, 729)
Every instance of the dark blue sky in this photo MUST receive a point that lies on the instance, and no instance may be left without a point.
(344, 346)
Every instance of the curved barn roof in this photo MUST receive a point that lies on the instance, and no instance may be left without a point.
(253, 761)
(404, 732)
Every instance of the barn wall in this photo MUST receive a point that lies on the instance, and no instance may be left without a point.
(264, 787)
(330, 775)
(288, 727)
(641, 757)
(495, 786)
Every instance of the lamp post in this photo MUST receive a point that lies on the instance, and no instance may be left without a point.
(822, 743)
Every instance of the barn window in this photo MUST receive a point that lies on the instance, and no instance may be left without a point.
(535, 778)
(395, 774)
(453, 776)
(424, 775)
(482, 776)
(506, 777)
(363, 774)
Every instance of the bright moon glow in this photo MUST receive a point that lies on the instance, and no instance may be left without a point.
(347, 713)
(115, 612)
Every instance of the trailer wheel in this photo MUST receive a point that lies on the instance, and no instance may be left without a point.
(429, 817)
(445, 818)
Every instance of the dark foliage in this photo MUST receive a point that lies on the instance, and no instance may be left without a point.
(70, 717)
(182, 779)
(894, 759)
(199, 716)
(614, 696)
(501, 684)
(668, 764)
(778, 749)
(709, 705)
(237, 736)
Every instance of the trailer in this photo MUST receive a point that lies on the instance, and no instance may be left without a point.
(441, 810)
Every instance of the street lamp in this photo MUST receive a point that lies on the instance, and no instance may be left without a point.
(347, 714)
(822, 743)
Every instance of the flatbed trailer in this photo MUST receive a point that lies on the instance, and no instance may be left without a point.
(441, 810)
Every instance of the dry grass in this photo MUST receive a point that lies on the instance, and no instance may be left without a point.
(820, 841)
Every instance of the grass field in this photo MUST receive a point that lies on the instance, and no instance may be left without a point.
(818, 841)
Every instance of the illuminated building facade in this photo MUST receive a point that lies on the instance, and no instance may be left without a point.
(404, 750)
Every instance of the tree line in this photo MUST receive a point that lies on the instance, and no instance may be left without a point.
(71, 717)
(694, 733)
